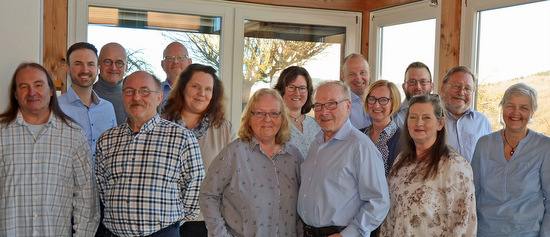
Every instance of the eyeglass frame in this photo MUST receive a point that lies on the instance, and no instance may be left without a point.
(301, 89)
(261, 114)
(458, 88)
(378, 99)
(109, 62)
(180, 58)
(334, 104)
(131, 91)
(414, 82)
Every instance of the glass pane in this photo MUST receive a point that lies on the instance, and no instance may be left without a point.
(403, 44)
(145, 34)
(271, 47)
(511, 50)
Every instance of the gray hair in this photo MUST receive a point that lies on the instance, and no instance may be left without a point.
(523, 90)
(459, 69)
(342, 84)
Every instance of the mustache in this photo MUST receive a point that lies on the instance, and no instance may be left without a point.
(138, 103)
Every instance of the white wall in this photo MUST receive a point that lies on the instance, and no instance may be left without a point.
(21, 40)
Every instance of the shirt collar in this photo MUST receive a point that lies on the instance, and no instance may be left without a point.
(469, 112)
(354, 97)
(73, 97)
(146, 127)
(341, 134)
(52, 120)
(255, 144)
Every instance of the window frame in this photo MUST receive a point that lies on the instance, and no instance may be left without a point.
(232, 15)
(402, 14)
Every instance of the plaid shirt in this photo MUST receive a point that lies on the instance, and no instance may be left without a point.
(150, 179)
(47, 181)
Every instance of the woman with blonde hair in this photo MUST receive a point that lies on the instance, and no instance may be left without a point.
(382, 102)
(251, 188)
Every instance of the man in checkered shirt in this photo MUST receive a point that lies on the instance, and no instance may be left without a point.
(148, 169)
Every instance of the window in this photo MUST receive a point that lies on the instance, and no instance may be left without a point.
(226, 26)
(508, 50)
(145, 34)
(402, 35)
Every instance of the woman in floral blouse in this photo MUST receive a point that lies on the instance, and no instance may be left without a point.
(431, 185)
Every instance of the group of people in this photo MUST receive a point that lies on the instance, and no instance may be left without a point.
(134, 156)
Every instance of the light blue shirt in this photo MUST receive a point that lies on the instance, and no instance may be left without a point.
(399, 117)
(463, 133)
(343, 183)
(46, 181)
(513, 197)
(94, 120)
(357, 115)
(166, 88)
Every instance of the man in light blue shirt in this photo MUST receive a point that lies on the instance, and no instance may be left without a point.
(80, 102)
(355, 72)
(418, 81)
(343, 187)
(464, 125)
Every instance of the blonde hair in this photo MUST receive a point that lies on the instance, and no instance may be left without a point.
(245, 131)
(395, 96)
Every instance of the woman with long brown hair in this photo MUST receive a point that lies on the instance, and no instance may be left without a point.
(431, 185)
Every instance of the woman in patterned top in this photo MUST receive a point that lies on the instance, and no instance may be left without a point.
(295, 86)
(251, 188)
(382, 102)
(197, 102)
(431, 185)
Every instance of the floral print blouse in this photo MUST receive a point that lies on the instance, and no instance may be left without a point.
(440, 206)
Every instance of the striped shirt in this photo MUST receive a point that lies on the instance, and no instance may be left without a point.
(46, 182)
(150, 179)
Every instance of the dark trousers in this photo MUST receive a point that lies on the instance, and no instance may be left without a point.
(193, 229)
(310, 231)
(170, 231)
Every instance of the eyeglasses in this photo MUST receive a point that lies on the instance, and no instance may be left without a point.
(260, 114)
(371, 100)
(329, 105)
(109, 62)
(173, 58)
(457, 88)
(301, 89)
(143, 92)
(413, 82)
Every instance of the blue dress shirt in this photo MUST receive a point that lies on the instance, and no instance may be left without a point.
(166, 88)
(357, 115)
(399, 118)
(513, 197)
(463, 133)
(94, 120)
(343, 183)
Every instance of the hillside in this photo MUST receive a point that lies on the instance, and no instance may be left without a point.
(490, 95)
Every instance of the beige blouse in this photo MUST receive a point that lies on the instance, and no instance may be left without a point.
(442, 206)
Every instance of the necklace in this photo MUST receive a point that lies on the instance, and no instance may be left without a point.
(506, 140)
(296, 118)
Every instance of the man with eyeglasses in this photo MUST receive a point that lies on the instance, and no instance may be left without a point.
(355, 72)
(464, 125)
(113, 64)
(418, 81)
(148, 169)
(343, 189)
(94, 114)
(175, 60)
